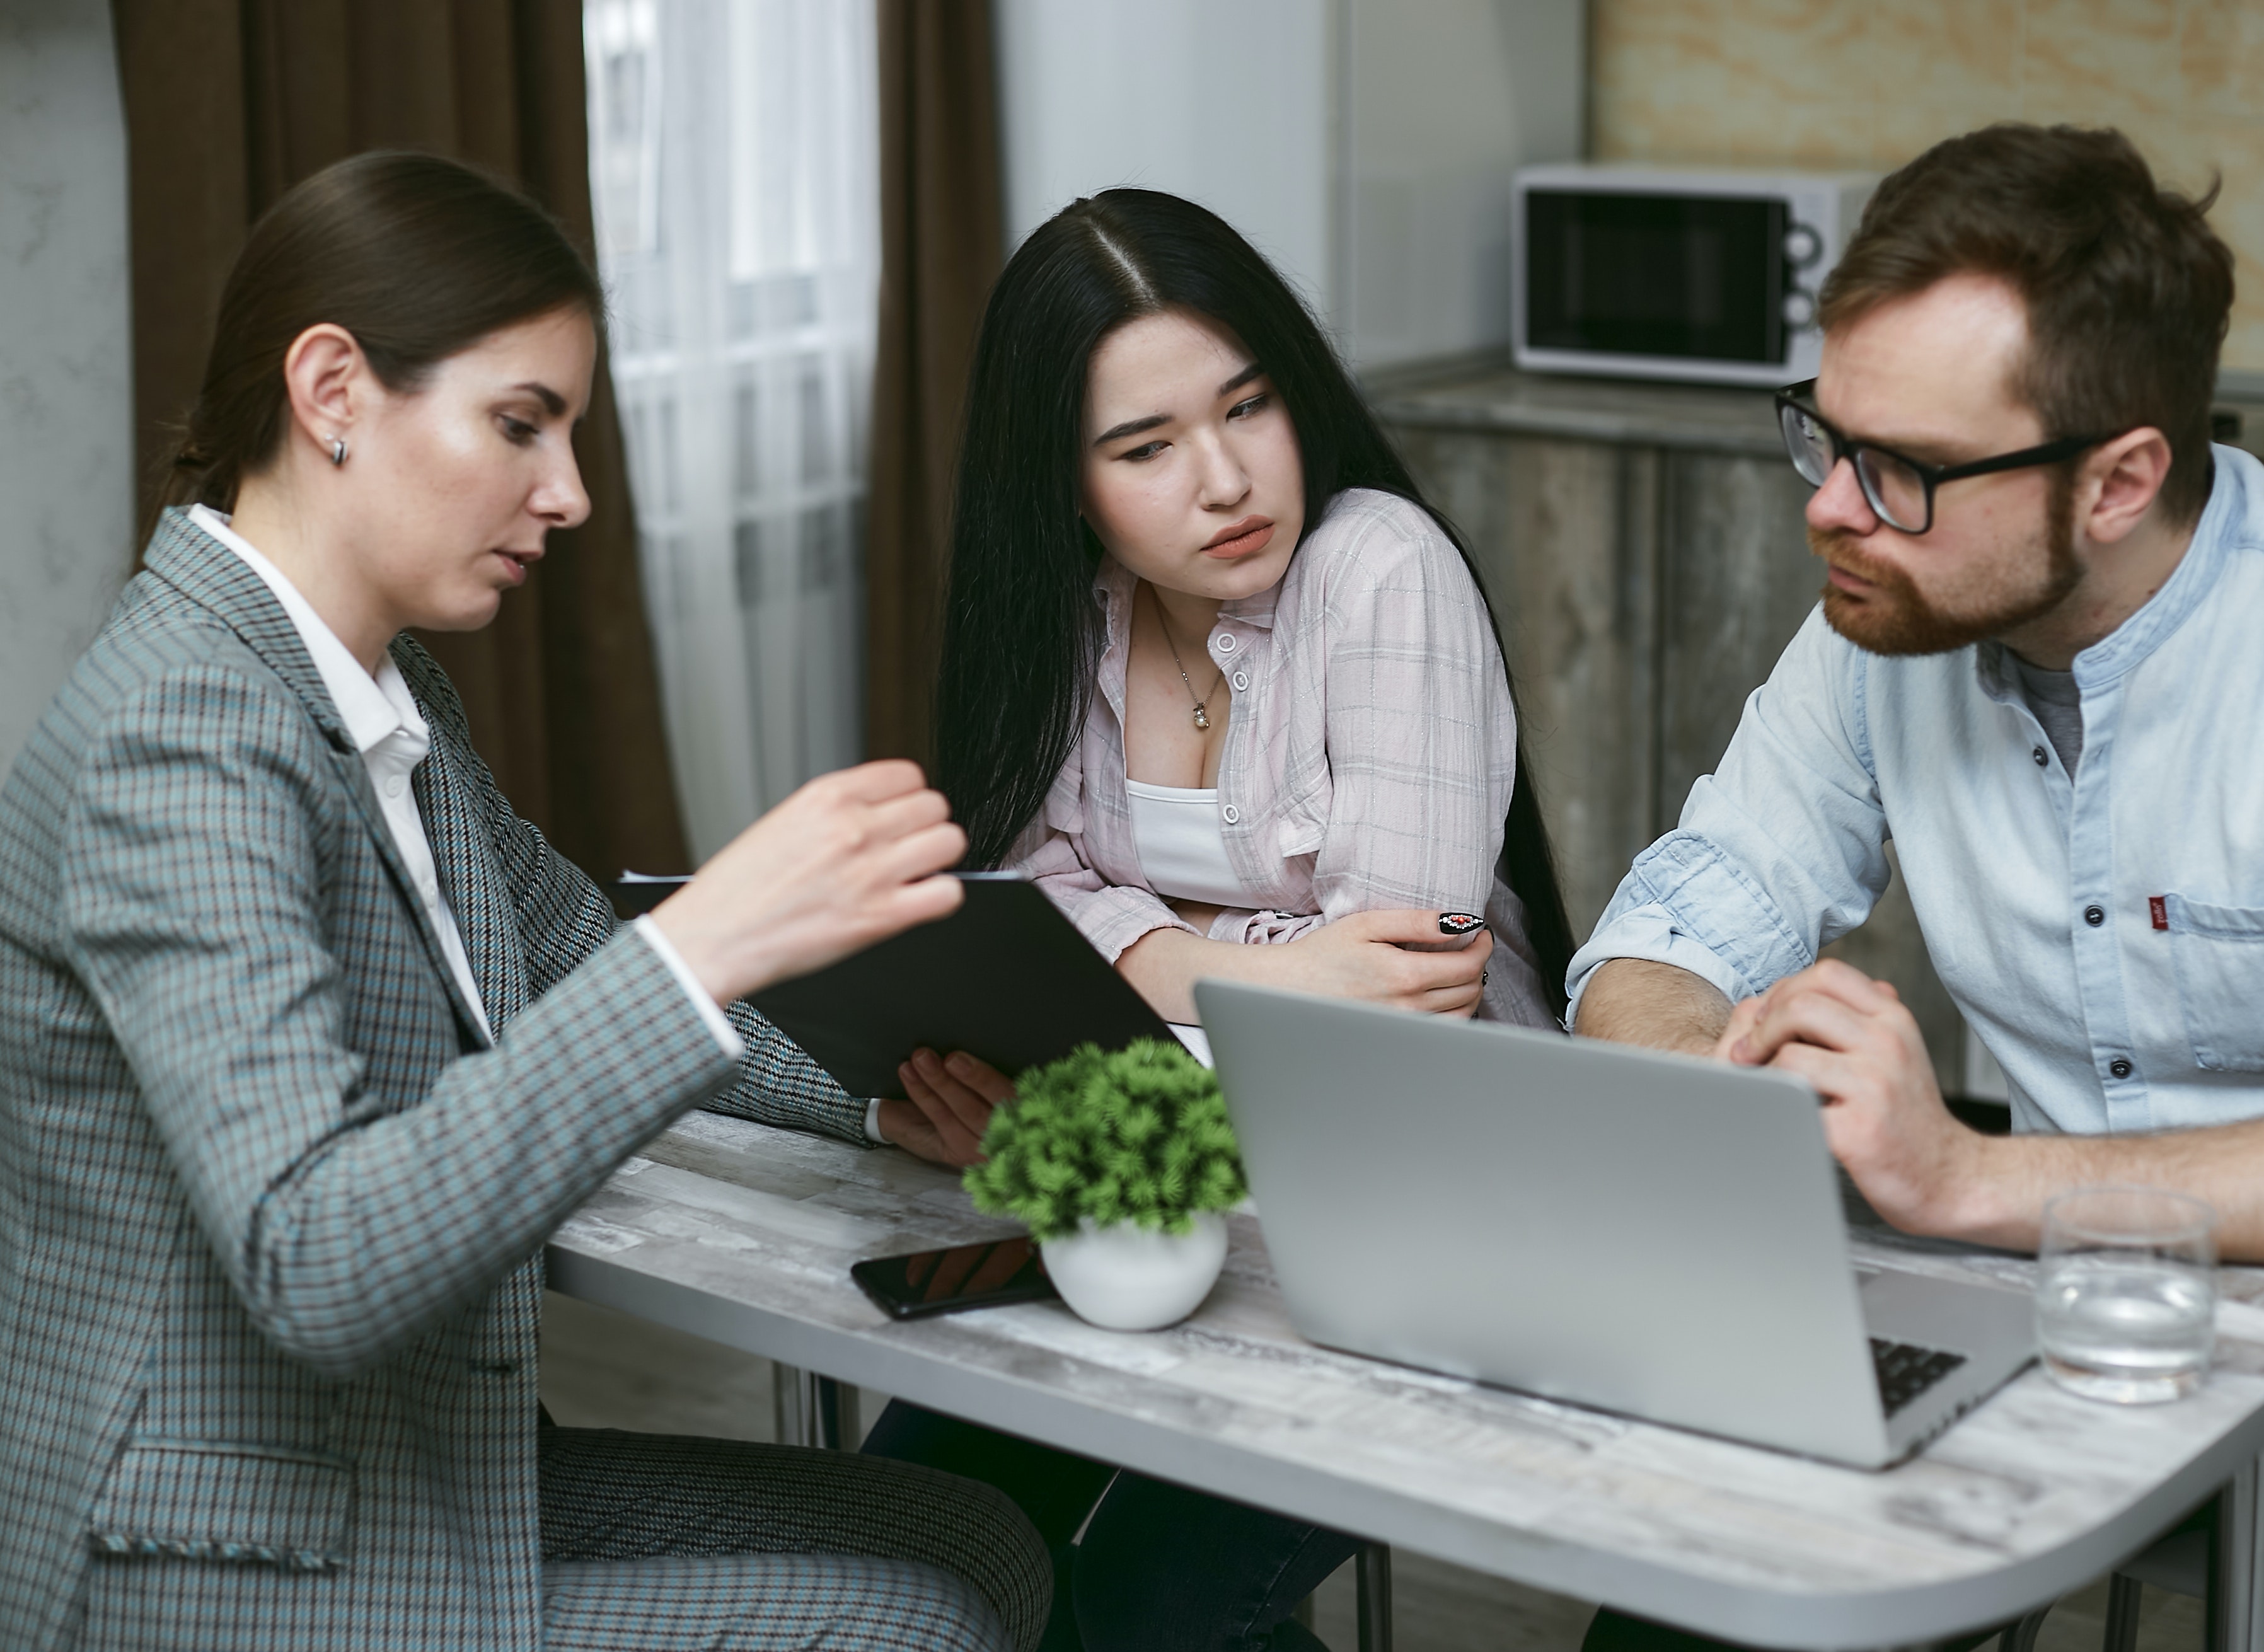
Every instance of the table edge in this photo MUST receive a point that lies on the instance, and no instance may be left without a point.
(1736, 1611)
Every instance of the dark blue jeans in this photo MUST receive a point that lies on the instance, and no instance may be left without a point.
(1161, 1569)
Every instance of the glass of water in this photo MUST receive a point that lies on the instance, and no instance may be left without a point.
(2126, 1292)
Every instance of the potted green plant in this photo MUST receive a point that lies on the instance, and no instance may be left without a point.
(1121, 1163)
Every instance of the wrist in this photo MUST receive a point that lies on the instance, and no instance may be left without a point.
(725, 966)
(1162, 964)
(684, 934)
(1973, 1193)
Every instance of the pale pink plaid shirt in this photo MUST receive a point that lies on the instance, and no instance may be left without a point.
(1368, 760)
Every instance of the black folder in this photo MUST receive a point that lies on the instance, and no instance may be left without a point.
(1006, 977)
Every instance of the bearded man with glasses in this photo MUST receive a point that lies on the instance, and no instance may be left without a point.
(2037, 668)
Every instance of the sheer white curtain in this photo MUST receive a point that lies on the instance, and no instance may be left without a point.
(734, 162)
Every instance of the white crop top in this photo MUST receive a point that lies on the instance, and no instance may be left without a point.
(1182, 851)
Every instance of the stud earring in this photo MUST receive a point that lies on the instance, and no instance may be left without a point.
(337, 450)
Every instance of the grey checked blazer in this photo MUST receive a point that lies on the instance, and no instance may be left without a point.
(270, 1217)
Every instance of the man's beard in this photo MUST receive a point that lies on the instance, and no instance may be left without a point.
(1892, 618)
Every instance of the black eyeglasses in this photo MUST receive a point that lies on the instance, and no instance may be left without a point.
(1898, 488)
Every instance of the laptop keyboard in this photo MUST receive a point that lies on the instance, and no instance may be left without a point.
(1905, 1371)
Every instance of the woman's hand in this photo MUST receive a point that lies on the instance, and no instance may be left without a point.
(1364, 956)
(948, 1107)
(851, 858)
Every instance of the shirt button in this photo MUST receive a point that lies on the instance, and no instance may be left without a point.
(394, 784)
(2120, 1066)
(2095, 916)
(1229, 814)
(1226, 642)
(1241, 680)
(2038, 754)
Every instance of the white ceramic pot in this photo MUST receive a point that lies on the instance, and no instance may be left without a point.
(1125, 1277)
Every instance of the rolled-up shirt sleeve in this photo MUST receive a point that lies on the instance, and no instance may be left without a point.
(1111, 915)
(1779, 852)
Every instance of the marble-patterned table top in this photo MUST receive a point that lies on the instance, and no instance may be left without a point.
(745, 1235)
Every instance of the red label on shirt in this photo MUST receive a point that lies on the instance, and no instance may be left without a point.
(2160, 908)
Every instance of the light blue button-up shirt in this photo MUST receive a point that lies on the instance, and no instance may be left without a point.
(2104, 935)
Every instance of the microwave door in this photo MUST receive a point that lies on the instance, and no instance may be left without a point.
(1681, 277)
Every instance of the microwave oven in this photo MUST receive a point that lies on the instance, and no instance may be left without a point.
(1654, 273)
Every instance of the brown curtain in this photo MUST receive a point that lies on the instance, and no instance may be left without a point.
(942, 227)
(229, 103)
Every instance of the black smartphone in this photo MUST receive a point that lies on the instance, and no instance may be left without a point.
(964, 1276)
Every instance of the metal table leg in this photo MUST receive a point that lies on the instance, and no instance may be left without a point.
(813, 1410)
(2021, 1636)
(1375, 1607)
(2211, 1554)
(2231, 1602)
(2123, 1595)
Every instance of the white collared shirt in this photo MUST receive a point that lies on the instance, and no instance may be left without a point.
(383, 720)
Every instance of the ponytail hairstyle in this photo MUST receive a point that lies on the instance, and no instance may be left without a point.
(417, 257)
(1022, 636)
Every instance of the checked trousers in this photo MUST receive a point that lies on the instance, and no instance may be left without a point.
(653, 1543)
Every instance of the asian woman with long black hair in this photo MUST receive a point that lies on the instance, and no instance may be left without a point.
(1218, 679)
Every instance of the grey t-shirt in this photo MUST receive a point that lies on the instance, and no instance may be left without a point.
(2059, 706)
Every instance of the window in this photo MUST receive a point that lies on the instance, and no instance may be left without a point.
(733, 164)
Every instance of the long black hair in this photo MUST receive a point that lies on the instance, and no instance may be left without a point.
(1021, 635)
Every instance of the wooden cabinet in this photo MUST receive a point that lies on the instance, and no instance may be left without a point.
(1645, 548)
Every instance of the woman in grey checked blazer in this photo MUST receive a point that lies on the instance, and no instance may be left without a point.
(306, 1041)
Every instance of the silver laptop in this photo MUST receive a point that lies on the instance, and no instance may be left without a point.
(1640, 1232)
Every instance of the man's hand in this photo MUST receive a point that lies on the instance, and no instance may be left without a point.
(947, 1106)
(851, 858)
(1851, 1038)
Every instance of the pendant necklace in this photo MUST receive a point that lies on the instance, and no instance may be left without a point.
(1202, 717)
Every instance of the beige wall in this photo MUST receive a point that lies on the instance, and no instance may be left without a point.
(1870, 83)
